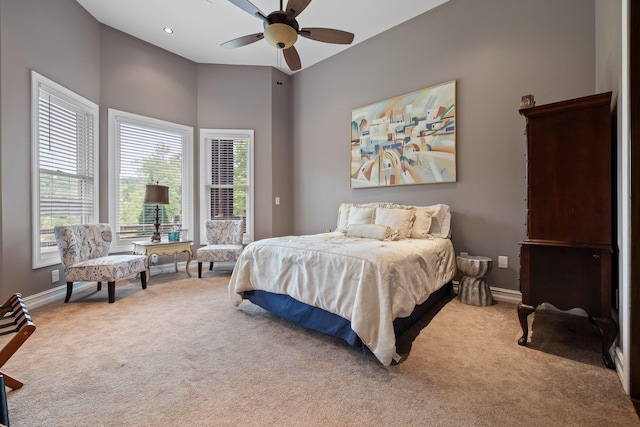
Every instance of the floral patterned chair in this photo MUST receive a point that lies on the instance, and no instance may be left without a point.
(224, 242)
(84, 251)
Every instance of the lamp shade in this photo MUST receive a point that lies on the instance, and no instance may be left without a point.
(281, 36)
(156, 194)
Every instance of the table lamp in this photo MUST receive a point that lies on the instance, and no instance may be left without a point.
(158, 194)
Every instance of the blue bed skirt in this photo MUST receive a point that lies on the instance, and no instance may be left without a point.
(320, 320)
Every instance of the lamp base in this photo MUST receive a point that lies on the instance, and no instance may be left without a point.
(156, 234)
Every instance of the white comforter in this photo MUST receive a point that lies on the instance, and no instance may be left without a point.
(366, 281)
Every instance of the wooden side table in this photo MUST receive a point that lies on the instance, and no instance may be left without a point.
(164, 247)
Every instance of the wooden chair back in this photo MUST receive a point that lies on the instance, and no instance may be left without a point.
(14, 319)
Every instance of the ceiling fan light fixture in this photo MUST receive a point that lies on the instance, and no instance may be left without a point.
(281, 36)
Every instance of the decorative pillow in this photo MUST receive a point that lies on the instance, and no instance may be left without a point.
(369, 231)
(396, 218)
(376, 205)
(440, 221)
(360, 215)
(422, 224)
(343, 217)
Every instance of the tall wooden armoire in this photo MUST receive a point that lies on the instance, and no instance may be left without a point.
(567, 258)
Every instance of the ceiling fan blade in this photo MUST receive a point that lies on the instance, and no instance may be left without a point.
(294, 7)
(327, 35)
(292, 58)
(243, 41)
(250, 8)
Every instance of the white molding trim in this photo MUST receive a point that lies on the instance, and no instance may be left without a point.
(115, 119)
(205, 178)
(506, 295)
(499, 294)
(59, 292)
(618, 356)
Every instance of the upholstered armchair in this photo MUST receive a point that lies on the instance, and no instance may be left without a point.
(224, 242)
(84, 251)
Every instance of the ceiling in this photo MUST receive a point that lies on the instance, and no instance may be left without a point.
(200, 26)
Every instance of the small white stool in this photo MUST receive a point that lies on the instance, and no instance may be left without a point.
(473, 288)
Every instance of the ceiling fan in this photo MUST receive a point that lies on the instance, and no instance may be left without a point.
(281, 30)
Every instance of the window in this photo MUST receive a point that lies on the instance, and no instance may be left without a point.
(145, 151)
(64, 164)
(226, 169)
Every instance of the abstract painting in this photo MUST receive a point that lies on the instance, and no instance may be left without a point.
(409, 139)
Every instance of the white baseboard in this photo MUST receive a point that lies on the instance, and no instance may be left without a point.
(514, 297)
(499, 294)
(506, 295)
(59, 292)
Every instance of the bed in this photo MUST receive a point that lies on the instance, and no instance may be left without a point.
(382, 268)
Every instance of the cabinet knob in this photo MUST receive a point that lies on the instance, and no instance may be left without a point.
(596, 256)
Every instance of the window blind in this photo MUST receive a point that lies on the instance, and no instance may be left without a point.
(64, 164)
(148, 155)
(228, 178)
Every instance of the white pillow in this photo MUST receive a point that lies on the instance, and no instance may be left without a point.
(440, 221)
(343, 217)
(369, 231)
(396, 218)
(360, 215)
(422, 224)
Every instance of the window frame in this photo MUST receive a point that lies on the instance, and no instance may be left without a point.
(115, 117)
(205, 208)
(50, 256)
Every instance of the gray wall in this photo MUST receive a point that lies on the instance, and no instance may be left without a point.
(609, 78)
(497, 51)
(33, 35)
(61, 41)
(282, 176)
(139, 78)
(609, 73)
(240, 97)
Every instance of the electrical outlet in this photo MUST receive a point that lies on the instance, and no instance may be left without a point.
(503, 262)
(55, 276)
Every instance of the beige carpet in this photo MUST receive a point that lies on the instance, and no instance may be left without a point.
(178, 354)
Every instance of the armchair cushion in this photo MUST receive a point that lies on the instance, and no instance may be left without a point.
(219, 253)
(106, 269)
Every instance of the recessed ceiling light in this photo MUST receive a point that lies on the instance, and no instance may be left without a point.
(168, 30)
